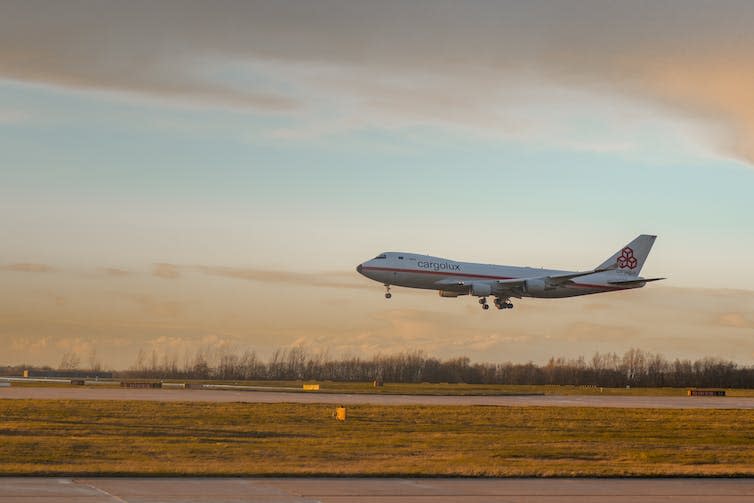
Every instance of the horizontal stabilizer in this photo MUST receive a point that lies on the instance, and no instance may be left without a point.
(631, 282)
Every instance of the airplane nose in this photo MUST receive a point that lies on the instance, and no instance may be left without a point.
(358, 268)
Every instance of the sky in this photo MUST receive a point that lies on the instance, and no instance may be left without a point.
(185, 175)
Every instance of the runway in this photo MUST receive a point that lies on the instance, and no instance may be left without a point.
(187, 395)
(335, 490)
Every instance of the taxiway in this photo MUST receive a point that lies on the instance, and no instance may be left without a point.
(186, 395)
(368, 490)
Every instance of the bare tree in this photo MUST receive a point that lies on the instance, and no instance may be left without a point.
(93, 359)
(70, 361)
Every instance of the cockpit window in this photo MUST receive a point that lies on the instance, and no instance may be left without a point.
(380, 256)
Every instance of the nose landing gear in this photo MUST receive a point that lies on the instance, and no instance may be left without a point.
(387, 291)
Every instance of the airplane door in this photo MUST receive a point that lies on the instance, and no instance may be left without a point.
(395, 273)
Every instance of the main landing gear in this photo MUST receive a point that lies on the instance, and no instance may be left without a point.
(503, 303)
(387, 291)
(499, 303)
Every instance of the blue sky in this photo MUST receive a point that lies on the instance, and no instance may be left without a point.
(106, 156)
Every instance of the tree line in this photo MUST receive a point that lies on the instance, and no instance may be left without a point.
(634, 368)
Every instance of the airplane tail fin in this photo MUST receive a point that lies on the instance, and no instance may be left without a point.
(631, 257)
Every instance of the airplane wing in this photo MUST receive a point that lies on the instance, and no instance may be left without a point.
(514, 287)
(554, 280)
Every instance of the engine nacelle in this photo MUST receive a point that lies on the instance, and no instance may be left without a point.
(536, 286)
(445, 293)
(481, 289)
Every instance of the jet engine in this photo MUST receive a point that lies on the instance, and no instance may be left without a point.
(536, 286)
(446, 293)
(481, 289)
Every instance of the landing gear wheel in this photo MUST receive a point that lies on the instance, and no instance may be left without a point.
(503, 304)
(388, 295)
(482, 300)
(485, 306)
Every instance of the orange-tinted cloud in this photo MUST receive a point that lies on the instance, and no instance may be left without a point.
(589, 332)
(736, 320)
(166, 271)
(717, 87)
(158, 308)
(116, 272)
(27, 267)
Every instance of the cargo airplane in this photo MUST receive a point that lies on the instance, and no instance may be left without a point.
(453, 279)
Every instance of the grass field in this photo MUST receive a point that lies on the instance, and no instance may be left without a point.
(46, 437)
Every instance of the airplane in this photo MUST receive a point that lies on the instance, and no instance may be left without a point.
(453, 279)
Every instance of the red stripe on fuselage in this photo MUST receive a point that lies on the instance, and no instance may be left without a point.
(484, 276)
(442, 273)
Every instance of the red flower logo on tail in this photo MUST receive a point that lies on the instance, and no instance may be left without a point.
(627, 259)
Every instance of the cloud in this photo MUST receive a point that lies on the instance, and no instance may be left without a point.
(248, 308)
(390, 62)
(29, 345)
(166, 271)
(210, 345)
(157, 308)
(137, 48)
(585, 331)
(716, 87)
(735, 320)
(405, 329)
(27, 267)
(76, 345)
(115, 272)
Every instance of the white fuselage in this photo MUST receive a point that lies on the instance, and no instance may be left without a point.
(436, 273)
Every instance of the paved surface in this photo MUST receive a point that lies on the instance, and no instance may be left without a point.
(300, 490)
(180, 395)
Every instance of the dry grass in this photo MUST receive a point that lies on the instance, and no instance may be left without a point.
(152, 438)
